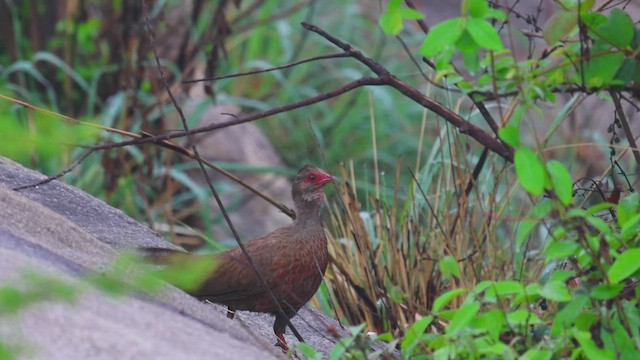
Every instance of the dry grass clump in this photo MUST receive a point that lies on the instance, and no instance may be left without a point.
(393, 254)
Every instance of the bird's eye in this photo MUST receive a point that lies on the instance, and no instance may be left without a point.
(311, 177)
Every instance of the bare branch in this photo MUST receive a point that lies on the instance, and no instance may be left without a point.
(210, 183)
(286, 66)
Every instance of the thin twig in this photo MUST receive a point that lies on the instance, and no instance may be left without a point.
(249, 118)
(275, 301)
(331, 56)
(60, 174)
(426, 200)
(143, 135)
(625, 126)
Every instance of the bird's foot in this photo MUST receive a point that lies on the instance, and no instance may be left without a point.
(282, 343)
(231, 313)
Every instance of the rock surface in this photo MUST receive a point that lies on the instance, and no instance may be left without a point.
(62, 232)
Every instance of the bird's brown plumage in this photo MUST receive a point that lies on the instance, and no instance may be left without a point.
(291, 259)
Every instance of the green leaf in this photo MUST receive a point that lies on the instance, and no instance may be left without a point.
(628, 71)
(495, 14)
(449, 266)
(11, 299)
(584, 5)
(630, 229)
(561, 275)
(556, 291)
(481, 286)
(624, 266)
(606, 291)
(491, 321)
(511, 135)
(598, 207)
(599, 224)
(601, 69)
(593, 20)
(615, 336)
(559, 26)
(463, 316)
(340, 348)
(525, 227)
(523, 316)
(443, 62)
(478, 8)
(391, 20)
(484, 34)
(502, 289)
(618, 29)
(411, 14)
(628, 208)
(561, 180)
(530, 171)
(414, 334)
(540, 210)
(577, 212)
(565, 318)
(394, 5)
(397, 295)
(536, 354)
(471, 61)
(188, 271)
(589, 347)
(446, 298)
(466, 43)
(560, 249)
(308, 351)
(446, 33)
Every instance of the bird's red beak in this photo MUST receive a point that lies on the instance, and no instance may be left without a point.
(327, 178)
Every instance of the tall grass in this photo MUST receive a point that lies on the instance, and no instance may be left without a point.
(392, 251)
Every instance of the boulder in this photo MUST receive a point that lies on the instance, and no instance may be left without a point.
(64, 233)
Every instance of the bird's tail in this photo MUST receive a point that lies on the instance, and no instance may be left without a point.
(181, 269)
(160, 256)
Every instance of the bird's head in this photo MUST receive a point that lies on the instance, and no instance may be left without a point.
(309, 183)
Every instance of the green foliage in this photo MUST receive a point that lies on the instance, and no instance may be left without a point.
(610, 61)
(391, 20)
(530, 171)
(449, 267)
(624, 266)
(466, 34)
(356, 345)
(506, 318)
(127, 274)
(187, 272)
(7, 352)
(585, 305)
(44, 137)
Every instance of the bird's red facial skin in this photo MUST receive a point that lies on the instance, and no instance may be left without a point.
(317, 178)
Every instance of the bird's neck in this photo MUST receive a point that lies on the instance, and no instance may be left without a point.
(308, 213)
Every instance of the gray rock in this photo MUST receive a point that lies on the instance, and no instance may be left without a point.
(62, 232)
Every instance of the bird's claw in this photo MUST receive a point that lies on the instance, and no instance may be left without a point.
(282, 343)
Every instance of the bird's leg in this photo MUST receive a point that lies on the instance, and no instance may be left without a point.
(282, 343)
(231, 313)
(279, 327)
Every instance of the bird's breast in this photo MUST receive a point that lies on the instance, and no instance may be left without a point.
(298, 272)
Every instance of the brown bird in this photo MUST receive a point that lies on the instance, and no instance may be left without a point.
(292, 260)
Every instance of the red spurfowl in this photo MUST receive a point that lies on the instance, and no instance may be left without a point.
(291, 259)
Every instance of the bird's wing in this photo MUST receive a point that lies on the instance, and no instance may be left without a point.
(235, 280)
